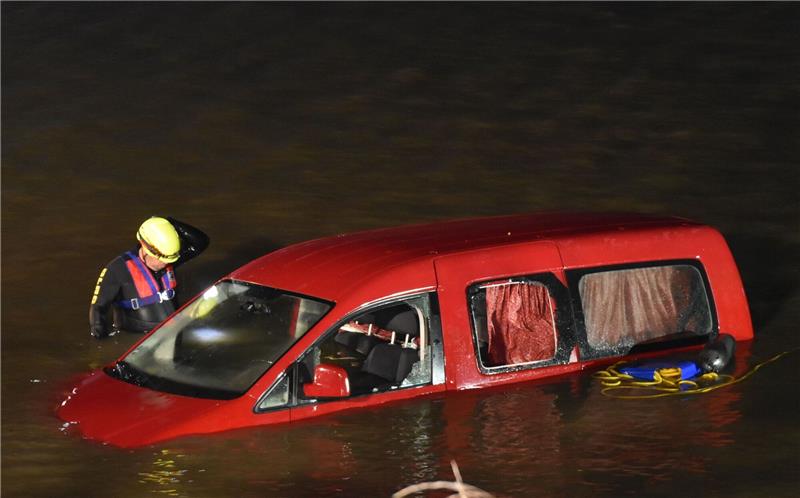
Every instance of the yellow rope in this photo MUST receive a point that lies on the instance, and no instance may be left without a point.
(667, 381)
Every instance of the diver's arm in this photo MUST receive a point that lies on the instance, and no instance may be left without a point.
(193, 240)
(105, 293)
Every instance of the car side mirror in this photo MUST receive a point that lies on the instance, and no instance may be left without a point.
(330, 381)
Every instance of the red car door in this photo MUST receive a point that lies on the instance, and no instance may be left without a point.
(460, 274)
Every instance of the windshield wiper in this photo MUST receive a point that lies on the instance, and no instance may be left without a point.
(124, 371)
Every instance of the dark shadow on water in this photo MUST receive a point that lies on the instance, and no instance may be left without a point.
(570, 395)
(768, 266)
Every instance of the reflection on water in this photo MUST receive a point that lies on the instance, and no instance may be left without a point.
(552, 439)
(525, 441)
(268, 124)
(165, 476)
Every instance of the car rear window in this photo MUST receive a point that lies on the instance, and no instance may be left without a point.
(626, 307)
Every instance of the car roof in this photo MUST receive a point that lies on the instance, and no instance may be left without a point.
(332, 267)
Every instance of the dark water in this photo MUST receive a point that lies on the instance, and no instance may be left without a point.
(267, 124)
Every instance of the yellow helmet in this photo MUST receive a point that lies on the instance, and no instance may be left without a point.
(159, 239)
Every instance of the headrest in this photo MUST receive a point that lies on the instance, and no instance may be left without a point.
(404, 323)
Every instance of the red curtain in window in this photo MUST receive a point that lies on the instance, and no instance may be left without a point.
(520, 324)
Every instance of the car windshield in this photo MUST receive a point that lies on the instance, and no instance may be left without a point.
(222, 342)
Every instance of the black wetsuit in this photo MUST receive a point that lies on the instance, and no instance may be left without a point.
(116, 283)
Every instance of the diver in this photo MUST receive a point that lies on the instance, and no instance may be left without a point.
(139, 285)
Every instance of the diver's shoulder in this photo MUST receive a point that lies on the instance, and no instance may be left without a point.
(119, 261)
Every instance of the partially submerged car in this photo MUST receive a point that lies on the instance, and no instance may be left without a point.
(362, 319)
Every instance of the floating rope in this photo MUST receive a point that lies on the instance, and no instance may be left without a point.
(462, 489)
(667, 381)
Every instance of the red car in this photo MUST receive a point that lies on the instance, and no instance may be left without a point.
(362, 319)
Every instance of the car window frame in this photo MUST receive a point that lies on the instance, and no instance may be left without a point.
(283, 375)
(564, 322)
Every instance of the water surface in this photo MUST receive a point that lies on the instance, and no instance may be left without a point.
(268, 124)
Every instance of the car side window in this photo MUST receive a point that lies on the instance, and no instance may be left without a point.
(382, 348)
(641, 306)
(277, 396)
(514, 323)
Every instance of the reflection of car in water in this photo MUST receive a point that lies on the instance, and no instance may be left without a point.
(363, 319)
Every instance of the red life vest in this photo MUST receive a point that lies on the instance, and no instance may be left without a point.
(147, 289)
